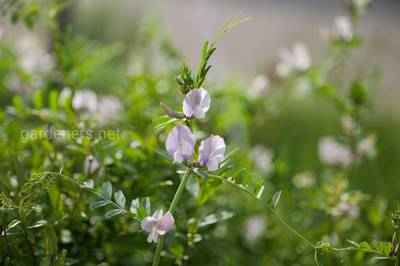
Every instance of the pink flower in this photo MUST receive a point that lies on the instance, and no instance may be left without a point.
(180, 144)
(196, 103)
(157, 225)
(211, 152)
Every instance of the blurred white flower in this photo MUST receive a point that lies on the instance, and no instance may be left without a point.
(349, 126)
(262, 158)
(157, 225)
(33, 54)
(367, 147)
(109, 107)
(333, 153)
(342, 29)
(351, 209)
(296, 59)
(304, 180)
(260, 86)
(253, 227)
(346, 208)
(85, 100)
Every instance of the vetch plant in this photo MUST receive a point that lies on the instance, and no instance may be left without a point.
(167, 182)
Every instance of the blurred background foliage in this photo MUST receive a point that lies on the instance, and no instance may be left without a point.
(53, 52)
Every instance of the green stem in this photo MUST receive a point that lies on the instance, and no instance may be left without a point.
(26, 237)
(290, 228)
(172, 207)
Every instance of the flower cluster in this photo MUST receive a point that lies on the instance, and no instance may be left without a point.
(181, 142)
(89, 104)
(334, 153)
(180, 145)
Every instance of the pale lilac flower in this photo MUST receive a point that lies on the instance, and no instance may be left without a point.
(157, 225)
(253, 227)
(196, 103)
(366, 147)
(260, 86)
(333, 153)
(342, 29)
(180, 144)
(109, 107)
(304, 180)
(296, 59)
(33, 54)
(211, 152)
(262, 158)
(350, 209)
(85, 100)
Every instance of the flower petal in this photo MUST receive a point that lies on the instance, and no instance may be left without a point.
(166, 222)
(171, 112)
(180, 143)
(196, 103)
(148, 224)
(211, 152)
(153, 237)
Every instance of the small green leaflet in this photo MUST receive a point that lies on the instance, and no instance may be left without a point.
(120, 198)
(260, 192)
(107, 189)
(98, 204)
(215, 218)
(275, 199)
(113, 212)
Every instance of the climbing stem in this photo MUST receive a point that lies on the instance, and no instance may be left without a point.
(277, 215)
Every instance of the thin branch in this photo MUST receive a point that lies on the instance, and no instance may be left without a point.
(265, 205)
